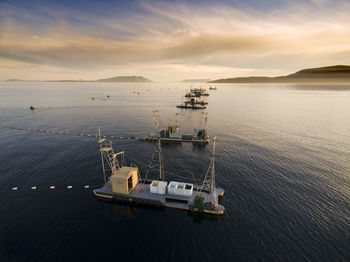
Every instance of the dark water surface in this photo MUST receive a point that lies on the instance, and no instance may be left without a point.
(283, 158)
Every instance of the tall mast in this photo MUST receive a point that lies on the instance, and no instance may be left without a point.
(157, 150)
(176, 120)
(212, 184)
(205, 116)
(209, 179)
(156, 127)
(156, 123)
(100, 141)
(160, 159)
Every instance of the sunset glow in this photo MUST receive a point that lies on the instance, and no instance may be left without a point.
(170, 41)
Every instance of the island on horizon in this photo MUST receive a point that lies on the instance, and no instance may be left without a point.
(119, 79)
(195, 80)
(126, 79)
(327, 74)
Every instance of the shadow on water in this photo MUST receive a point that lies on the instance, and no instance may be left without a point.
(123, 211)
(198, 218)
(199, 147)
(127, 211)
(171, 144)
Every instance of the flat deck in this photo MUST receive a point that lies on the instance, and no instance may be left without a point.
(191, 107)
(186, 138)
(141, 193)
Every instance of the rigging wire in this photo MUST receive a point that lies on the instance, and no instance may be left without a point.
(147, 165)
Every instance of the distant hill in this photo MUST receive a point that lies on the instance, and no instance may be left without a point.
(14, 80)
(328, 74)
(195, 80)
(126, 79)
(121, 79)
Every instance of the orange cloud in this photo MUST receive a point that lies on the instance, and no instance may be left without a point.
(175, 36)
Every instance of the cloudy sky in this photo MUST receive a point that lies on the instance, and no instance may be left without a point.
(170, 40)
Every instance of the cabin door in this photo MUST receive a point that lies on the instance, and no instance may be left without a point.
(129, 183)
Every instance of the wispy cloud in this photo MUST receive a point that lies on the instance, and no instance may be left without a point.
(173, 38)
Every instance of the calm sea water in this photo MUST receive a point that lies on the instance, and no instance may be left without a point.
(283, 158)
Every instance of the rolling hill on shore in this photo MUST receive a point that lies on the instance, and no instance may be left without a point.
(195, 80)
(126, 79)
(120, 79)
(328, 74)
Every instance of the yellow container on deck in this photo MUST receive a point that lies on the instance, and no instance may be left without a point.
(124, 180)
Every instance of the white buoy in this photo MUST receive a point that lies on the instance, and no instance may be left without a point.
(52, 187)
(15, 188)
(69, 187)
(33, 187)
(87, 186)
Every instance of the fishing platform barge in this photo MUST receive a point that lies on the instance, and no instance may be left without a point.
(197, 92)
(126, 185)
(194, 101)
(188, 106)
(171, 134)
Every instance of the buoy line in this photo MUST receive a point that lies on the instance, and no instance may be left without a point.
(111, 106)
(77, 134)
(52, 187)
